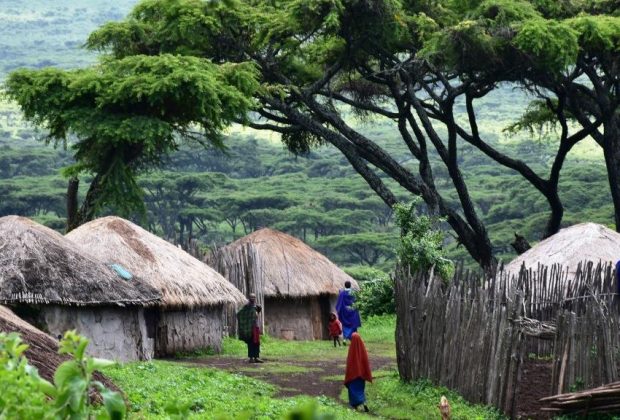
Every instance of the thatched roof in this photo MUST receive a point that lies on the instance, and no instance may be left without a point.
(182, 280)
(42, 351)
(38, 265)
(570, 246)
(278, 265)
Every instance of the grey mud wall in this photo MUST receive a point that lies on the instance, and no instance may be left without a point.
(189, 329)
(115, 333)
(298, 319)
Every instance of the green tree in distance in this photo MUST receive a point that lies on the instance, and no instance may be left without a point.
(364, 248)
(127, 114)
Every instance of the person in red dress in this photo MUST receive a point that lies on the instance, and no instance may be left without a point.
(335, 328)
(357, 372)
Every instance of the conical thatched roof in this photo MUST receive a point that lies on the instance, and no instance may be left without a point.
(42, 351)
(279, 265)
(38, 265)
(182, 280)
(570, 246)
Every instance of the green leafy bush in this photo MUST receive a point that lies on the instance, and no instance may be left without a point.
(421, 242)
(28, 396)
(22, 396)
(376, 296)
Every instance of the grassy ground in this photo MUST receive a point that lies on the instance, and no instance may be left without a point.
(169, 389)
(378, 334)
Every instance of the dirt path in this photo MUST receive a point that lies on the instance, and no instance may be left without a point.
(293, 377)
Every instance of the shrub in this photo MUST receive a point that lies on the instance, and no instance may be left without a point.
(376, 297)
(22, 396)
(421, 242)
(28, 396)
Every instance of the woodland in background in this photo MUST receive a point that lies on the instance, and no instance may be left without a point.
(215, 197)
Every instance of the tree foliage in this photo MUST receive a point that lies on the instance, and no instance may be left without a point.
(123, 116)
(421, 242)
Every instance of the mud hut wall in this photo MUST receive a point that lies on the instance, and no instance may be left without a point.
(295, 315)
(114, 333)
(189, 330)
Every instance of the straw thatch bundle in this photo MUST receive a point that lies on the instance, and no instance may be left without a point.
(182, 280)
(570, 246)
(279, 265)
(42, 351)
(40, 266)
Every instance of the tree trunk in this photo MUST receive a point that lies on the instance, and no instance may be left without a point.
(72, 203)
(89, 205)
(611, 149)
(557, 213)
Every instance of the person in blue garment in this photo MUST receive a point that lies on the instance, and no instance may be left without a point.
(348, 315)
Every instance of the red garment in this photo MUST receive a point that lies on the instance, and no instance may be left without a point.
(335, 328)
(255, 334)
(357, 361)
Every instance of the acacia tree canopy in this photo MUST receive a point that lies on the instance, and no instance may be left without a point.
(123, 116)
(567, 53)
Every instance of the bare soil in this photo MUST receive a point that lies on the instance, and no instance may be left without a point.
(535, 384)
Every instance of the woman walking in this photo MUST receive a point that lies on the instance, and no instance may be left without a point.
(357, 372)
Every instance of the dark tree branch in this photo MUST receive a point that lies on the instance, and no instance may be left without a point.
(360, 105)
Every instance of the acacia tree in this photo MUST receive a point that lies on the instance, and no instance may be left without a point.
(567, 53)
(368, 248)
(123, 116)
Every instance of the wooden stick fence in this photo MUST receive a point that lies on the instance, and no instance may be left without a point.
(472, 334)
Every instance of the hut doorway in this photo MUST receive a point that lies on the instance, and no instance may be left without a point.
(320, 317)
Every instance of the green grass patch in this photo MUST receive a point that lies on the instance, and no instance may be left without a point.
(377, 332)
(334, 378)
(389, 397)
(156, 390)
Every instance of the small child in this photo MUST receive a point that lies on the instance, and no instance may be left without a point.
(335, 328)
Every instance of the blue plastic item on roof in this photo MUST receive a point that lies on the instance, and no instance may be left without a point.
(121, 271)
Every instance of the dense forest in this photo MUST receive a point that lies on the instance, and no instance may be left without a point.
(206, 197)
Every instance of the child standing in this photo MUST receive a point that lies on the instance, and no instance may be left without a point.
(335, 328)
(357, 372)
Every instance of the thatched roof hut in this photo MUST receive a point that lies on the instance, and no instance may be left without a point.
(194, 295)
(40, 266)
(291, 279)
(57, 286)
(42, 351)
(183, 281)
(571, 246)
